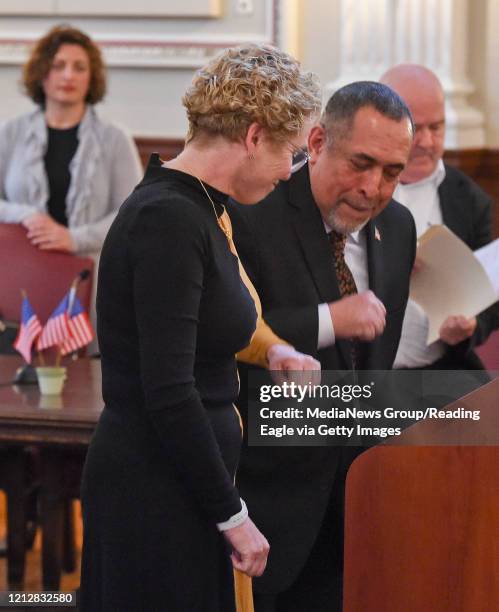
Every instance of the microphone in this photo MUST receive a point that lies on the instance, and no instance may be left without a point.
(84, 274)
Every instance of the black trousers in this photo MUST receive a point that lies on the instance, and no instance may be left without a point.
(319, 586)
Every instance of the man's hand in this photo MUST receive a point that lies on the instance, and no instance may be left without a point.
(250, 549)
(286, 363)
(455, 329)
(47, 234)
(360, 316)
(418, 265)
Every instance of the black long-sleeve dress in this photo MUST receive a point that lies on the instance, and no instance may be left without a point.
(172, 313)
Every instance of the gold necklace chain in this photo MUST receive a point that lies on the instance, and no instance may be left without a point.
(219, 223)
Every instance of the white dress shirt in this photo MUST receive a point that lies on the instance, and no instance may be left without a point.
(422, 200)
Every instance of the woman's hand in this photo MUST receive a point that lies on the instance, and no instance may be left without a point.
(47, 234)
(286, 364)
(250, 549)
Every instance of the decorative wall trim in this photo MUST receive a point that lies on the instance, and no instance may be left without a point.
(136, 51)
(429, 32)
(112, 8)
(480, 164)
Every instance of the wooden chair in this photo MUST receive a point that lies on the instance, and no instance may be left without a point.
(14, 480)
(46, 276)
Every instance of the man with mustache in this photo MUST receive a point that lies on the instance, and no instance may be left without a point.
(330, 254)
(436, 193)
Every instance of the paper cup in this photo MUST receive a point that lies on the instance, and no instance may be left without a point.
(51, 402)
(51, 379)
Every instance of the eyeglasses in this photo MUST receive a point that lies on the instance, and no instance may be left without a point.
(300, 158)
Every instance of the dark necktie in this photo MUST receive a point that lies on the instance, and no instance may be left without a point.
(346, 282)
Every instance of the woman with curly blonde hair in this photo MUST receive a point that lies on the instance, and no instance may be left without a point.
(163, 521)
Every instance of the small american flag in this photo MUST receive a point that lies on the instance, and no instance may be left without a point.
(56, 329)
(28, 331)
(80, 330)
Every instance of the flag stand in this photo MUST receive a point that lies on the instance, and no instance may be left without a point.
(25, 375)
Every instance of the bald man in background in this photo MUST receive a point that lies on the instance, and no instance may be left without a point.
(439, 194)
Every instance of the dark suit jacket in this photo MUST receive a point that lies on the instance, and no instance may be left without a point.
(467, 211)
(285, 250)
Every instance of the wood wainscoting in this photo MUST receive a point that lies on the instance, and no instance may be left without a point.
(481, 165)
(166, 147)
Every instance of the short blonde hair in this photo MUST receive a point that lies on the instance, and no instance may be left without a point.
(247, 84)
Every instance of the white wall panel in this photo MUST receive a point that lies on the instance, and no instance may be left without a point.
(28, 7)
(151, 57)
(144, 8)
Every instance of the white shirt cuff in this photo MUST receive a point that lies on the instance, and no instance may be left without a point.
(235, 520)
(326, 335)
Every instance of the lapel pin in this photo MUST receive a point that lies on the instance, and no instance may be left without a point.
(377, 235)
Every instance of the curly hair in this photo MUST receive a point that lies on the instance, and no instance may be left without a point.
(251, 83)
(39, 63)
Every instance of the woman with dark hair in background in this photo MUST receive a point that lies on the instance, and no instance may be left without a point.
(162, 517)
(64, 172)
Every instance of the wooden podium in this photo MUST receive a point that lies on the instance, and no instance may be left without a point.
(422, 522)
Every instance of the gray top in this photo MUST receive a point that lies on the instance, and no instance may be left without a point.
(104, 170)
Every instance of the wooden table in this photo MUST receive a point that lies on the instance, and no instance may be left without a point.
(61, 428)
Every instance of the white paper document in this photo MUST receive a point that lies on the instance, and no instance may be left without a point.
(488, 256)
(451, 280)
